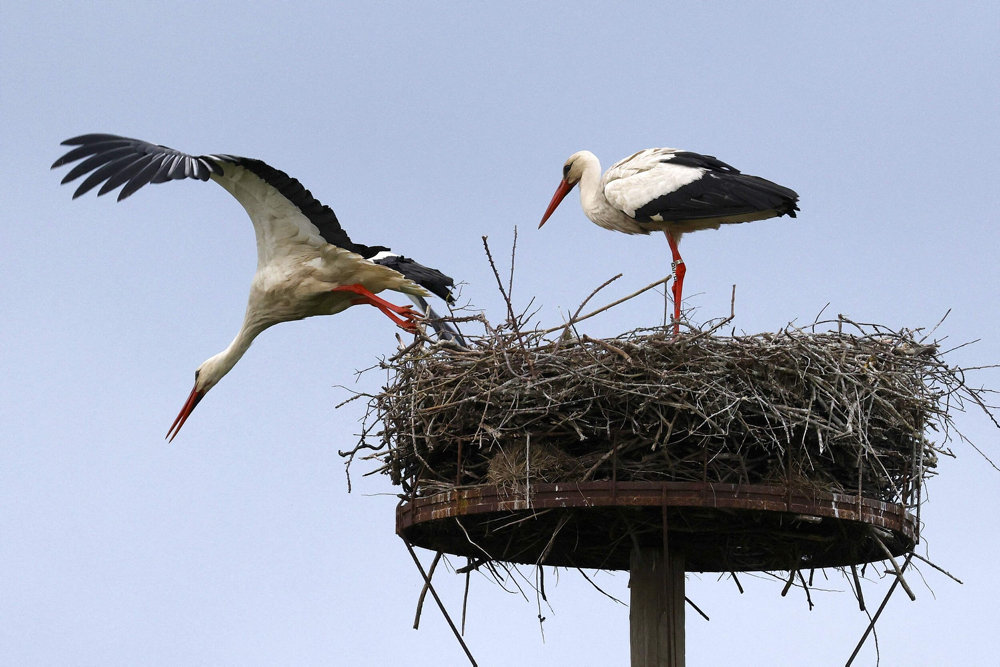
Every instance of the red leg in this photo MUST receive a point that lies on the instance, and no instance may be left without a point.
(408, 320)
(678, 270)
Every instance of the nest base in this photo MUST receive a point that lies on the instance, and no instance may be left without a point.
(718, 527)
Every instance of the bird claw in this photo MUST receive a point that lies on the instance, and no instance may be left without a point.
(408, 321)
(403, 316)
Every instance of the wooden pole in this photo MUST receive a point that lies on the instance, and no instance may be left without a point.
(656, 614)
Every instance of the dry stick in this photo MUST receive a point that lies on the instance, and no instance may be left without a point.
(857, 586)
(465, 596)
(939, 569)
(510, 308)
(608, 346)
(423, 592)
(471, 564)
(599, 589)
(738, 585)
(591, 296)
(871, 625)
(808, 598)
(935, 328)
(573, 320)
(788, 584)
(513, 252)
(610, 305)
(696, 608)
(440, 604)
(895, 565)
(548, 547)
(540, 591)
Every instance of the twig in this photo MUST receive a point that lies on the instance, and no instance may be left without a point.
(510, 307)
(806, 588)
(423, 591)
(788, 584)
(871, 625)
(696, 608)
(573, 320)
(610, 305)
(440, 604)
(465, 595)
(857, 587)
(598, 588)
(938, 568)
(895, 565)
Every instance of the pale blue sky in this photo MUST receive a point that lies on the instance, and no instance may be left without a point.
(425, 129)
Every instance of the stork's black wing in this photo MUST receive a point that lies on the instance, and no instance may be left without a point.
(116, 160)
(722, 191)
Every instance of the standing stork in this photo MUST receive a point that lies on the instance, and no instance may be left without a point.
(673, 191)
(306, 263)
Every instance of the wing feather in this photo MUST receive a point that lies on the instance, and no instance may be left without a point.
(670, 185)
(285, 215)
(272, 198)
(633, 182)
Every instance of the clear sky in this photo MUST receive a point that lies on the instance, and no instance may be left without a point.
(425, 129)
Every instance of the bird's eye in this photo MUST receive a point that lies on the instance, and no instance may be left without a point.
(566, 170)
(196, 373)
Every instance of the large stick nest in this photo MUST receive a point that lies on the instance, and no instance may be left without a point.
(844, 412)
(835, 407)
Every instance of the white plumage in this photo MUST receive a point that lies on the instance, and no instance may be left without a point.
(306, 263)
(673, 191)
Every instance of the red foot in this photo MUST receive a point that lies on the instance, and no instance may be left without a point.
(678, 288)
(408, 318)
(678, 270)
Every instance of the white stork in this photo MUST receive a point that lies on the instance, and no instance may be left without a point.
(673, 191)
(306, 263)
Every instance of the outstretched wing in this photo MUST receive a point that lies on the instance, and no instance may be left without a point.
(118, 160)
(285, 215)
(283, 212)
(670, 185)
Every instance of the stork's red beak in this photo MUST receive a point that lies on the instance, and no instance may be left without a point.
(185, 412)
(560, 194)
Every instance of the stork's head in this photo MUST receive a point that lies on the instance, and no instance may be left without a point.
(572, 173)
(206, 377)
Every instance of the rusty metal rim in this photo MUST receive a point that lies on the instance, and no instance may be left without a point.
(485, 499)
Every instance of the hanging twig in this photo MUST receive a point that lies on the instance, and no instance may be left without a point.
(465, 595)
(871, 625)
(857, 587)
(423, 591)
(440, 604)
(895, 565)
(938, 568)
(697, 608)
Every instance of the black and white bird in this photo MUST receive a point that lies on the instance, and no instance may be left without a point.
(673, 191)
(306, 263)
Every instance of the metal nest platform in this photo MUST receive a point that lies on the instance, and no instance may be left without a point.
(718, 527)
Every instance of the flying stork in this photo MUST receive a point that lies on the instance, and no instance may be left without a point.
(673, 191)
(306, 263)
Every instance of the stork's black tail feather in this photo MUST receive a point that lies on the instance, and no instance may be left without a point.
(442, 328)
(431, 279)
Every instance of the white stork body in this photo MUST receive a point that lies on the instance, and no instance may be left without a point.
(673, 191)
(306, 263)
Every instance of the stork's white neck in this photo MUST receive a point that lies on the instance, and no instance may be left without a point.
(595, 205)
(591, 195)
(593, 200)
(215, 368)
